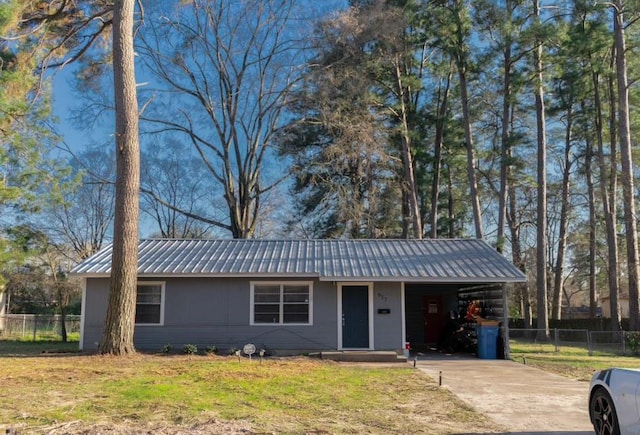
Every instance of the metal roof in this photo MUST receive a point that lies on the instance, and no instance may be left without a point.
(427, 260)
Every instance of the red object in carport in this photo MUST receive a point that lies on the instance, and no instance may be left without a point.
(434, 318)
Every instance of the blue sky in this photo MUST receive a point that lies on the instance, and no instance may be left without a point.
(100, 131)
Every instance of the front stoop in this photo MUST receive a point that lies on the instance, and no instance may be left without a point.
(364, 356)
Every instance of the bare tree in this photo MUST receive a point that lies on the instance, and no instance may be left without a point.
(117, 337)
(174, 188)
(85, 213)
(228, 66)
(64, 290)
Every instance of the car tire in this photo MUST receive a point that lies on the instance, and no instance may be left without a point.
(603, 413)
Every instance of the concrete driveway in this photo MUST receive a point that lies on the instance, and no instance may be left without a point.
(523, 399)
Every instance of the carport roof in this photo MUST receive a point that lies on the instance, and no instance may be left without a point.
(427, 260)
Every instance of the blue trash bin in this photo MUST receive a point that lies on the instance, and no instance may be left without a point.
(487, 341)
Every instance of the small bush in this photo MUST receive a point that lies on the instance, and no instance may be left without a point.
(190, 349)
(211, 350)
(166, 349)
(232, 351)
(632, 340)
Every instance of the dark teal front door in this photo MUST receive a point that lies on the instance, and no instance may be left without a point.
(355, 317)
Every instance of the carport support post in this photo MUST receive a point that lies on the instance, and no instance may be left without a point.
(505, 320)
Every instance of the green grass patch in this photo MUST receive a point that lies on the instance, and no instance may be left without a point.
(28, 348)
(42, 335)
(289, 395)
(545, 348)
(569, 361)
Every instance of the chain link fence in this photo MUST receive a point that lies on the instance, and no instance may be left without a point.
(36, 327)
(577, 341)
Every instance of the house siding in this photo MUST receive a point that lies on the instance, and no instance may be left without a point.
(94, 312)
(215, 311)
(387, 327)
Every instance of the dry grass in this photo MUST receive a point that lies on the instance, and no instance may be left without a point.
(198, 394)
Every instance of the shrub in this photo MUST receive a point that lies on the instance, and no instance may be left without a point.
(632, 340)
(166, 349)
(211, 350)
(190, 349)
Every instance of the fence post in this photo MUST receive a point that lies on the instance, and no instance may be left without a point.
(624, 342)
(35, 326)
(24, 325)
(589, 343)
(556, 339)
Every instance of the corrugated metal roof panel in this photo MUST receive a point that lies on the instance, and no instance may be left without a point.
(436, 260)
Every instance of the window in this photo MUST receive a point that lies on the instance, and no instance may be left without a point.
(281, 303)
(150, 304)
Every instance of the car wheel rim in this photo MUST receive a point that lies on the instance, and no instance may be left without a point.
(603, 416)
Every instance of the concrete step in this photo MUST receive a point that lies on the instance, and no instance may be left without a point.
(363, 356)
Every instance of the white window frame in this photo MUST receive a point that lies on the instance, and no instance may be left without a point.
(162, 300)
(281, 284)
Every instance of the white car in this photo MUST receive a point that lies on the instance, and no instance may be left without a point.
(614, 402)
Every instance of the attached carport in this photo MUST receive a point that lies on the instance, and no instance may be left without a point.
(463, 277)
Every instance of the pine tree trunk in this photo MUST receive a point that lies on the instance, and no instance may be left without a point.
(631, 231)
(437, 156)
(541, 229)
(117, 337)
(591, 194)
(504, 151)
(450, 205)
(556, 306)
(517, 257)
(608, 193)
(471, 160)
(505, 145)
(461, 64)
(407, 154)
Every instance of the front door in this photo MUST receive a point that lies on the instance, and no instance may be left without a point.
(355, 317)
(434, 318)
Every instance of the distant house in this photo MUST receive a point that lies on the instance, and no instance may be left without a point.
(295, 296)
(581, 312)
(623, 302)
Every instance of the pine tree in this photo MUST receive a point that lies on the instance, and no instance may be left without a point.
(117, 337)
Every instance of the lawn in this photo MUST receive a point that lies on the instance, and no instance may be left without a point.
(24, 348)
(75, 393)
(572, 362)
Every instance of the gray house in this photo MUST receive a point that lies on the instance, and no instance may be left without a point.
(296, 296)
